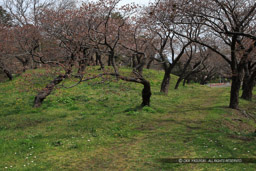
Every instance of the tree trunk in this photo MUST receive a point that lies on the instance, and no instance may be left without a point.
(138, 58)
(234, 95)
(248, 86)
(236, 80)
(24, 62)
(246, 79)
(149, 63)
(203, 81)
(184, 82)
(49, 87)
(166, 82)
(187, 78)
(133, 61)
(146, 94)
(93, 62)
(183, 73)
(113, 61)
(8, 74)
(109, 60)
(178, 82)
(82, 66)
(141, 64)
(47, 90)
(98, 60)
(6, 71)
(139, 68)
(247, 91)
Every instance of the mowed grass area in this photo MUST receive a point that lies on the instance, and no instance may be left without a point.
(101, 127)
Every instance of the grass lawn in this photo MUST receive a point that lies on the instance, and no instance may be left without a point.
(101, 127)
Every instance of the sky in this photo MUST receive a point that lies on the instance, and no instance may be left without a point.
(140, 2)
(123, 2)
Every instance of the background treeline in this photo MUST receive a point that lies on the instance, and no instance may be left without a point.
(197, 40)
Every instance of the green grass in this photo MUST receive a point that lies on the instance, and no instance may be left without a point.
(101, 126)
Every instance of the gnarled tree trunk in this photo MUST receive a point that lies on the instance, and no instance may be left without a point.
(166, 82)
(178, 82)
(49, 87)
(146, 94)
(146, 91)
(47, 90)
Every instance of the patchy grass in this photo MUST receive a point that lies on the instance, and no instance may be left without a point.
(101, 127)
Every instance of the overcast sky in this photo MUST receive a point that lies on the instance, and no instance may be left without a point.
(141, 2)
(123, 2)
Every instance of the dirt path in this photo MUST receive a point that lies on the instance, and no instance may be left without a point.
(219, 85)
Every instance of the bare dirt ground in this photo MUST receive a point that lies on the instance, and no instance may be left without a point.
(217, 85)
